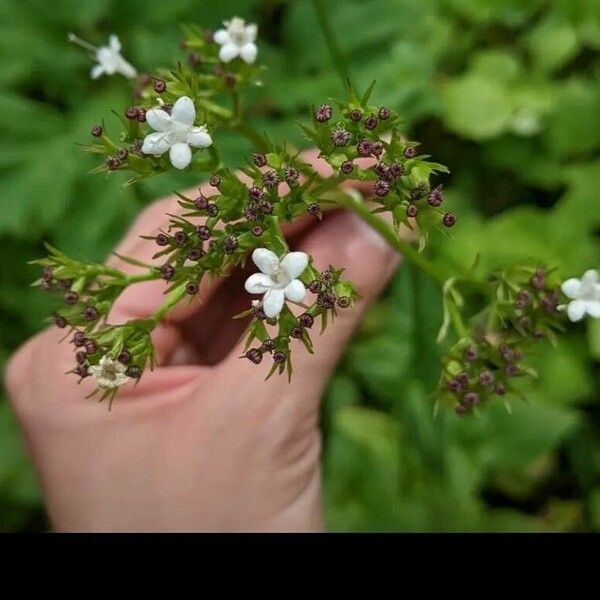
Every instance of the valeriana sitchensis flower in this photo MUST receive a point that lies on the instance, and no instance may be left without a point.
(175, 132)
(237, 40)
(109, 58)
(277, 281)
(109, 373)
(584, 294)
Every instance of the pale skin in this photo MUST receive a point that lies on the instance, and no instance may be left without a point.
(203, 443)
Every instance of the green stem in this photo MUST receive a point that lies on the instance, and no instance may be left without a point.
(358, 207)
(334, 50)
(175, 295)
(151, 276)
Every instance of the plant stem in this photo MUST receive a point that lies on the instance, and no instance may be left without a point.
(358, 207)
(334, 50)
(175, 295)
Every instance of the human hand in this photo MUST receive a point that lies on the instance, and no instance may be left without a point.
(202, 443)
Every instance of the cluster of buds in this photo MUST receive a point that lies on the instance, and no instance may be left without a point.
(364, 143)
(488, 360)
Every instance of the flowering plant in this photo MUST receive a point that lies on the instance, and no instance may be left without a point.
(492, 318)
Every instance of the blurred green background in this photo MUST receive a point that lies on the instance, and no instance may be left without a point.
(505, 92)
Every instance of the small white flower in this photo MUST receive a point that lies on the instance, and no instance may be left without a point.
(175, 132)
(584, 294)
(109, 58)
(237, 40)
(278, 279)
(109, 373)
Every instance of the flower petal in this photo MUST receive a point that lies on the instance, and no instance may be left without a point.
(155, 144)
(576, 310)
(258, 283)
(294, 263)
(180, 155)
(221, 37)
(114, 44)
(592, 308)
(295, 291)
(273, 302)
(126, 69)
(184, 111)
(265, 260)
(248, 52)
(251, 31)
(199, 137)
(571, 287)
(590, 276)
(228, 52)
(158, 119)
(96, 71)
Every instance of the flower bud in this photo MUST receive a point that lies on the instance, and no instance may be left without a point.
(279, 357)
(203, 232)
(167, 271)
(291, 175)
(141, 115)
(364, 147)
(436, 197)
(257, 231)
(230, 244)
(381, 188)
(201, 202)
(215, 181)
(90, 313)
(340, 137)
(134, 371)
(268, 345)
(79, 339)
(254, 355)
(344, 302)
(296, 332)
(124, 357)
(47, 273)
(486, 377)
(306, 320)
(411, 211)
(97, 131)
(410, 152)
(260, 160)
(313, 209)
(80, 357)
(371, 123)
(131, 113)
(347, 167)
(60, 321)
(191, 288)
(270, 178)
(195, 254)
(323, 113)
(180, 238)
(384, 113)
(470, 399)
(91, 347)
(161, 239)
(212, 210)
(396, 170)
(449, 220)
(159, 86)
(470, 354)
(71, 298)
(355, 115)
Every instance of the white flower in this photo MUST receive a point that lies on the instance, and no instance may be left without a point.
(237, 40)
(278, 279)
(108, 57)
(109, 373)
(584, 294)
(175, 132)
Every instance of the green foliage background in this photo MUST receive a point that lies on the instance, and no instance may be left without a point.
(506, 92)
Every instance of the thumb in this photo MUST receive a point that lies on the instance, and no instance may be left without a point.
(369, 262)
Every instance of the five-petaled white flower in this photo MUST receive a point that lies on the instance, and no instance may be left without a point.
(175, 132)
(278, 279)
(584, 294)
(237, 40)
(109, 373)
(109, 58)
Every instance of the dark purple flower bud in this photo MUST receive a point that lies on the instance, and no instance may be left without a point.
(80, 357)
(411, 211)
(79, 339)
(486, 377)
(381, 169)
(131, 113)
(454, 386)
(323, 113)
(230, 244)
(161, 239)
(326, 300)
(538, 281)
(212, 210)
(314, 286)
(306, 320)
(141, 115)
(65, 284)
(461, 410)
(381, 188)
(384, 113)
(505, 352)
(525, 323)
(260, 160)
(470, 354)
(270, 178)
(539, 334)
(159, 86)
(436, 197)
(191, 288)
(314, 209)
(112, 162)
(195, 254)
(364, 147)
(291, 175)
(512, 370)
(167, 271)
(91, 347)
(215, 181)
(500, 389)
(47, 273)
(124, 357)
(60, 321)
(449, 219)
(347, 167)
(81, 370)
(203, 232)
(71, 298)
(356, 115)
(194, 59)
(97, 131)
(257, 231)
(396, 170)
(255, 193)
(90, 313)
(265, 207)
(279, 357)
(296, 332)
(134, 372)
(340, 137)
(463, 380)
(201, 202)
(410, 152)
(344, 302)
(470, 399)
(180, 238)
(122, 154)
(371, 123)
(377, 149)
(254, 355)
(268, 345)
